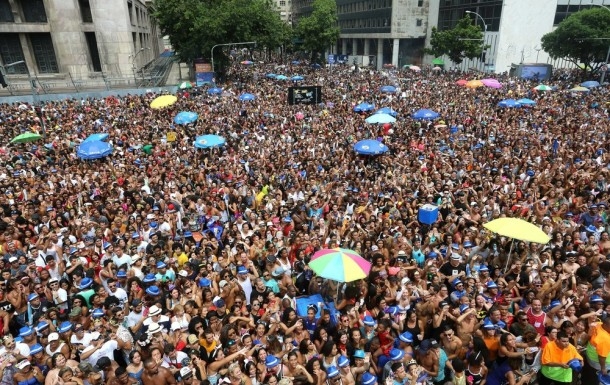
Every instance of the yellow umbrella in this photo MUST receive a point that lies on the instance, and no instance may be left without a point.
(474, 84)
(163, 101)
(518, 229)
(579, 89)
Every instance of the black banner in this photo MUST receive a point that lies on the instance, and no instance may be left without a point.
(305, 95)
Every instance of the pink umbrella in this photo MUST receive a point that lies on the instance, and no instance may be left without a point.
(493, 83)
(299, 116)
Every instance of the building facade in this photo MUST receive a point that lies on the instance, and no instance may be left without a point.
(514, 29)
(378, 32)
(78, 39)
(284, 8)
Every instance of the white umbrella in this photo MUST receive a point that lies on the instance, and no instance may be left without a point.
(380, 119)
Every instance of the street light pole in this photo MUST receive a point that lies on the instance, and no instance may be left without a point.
(607, 53)
(484, 35)
(133, 64)
(220, 45)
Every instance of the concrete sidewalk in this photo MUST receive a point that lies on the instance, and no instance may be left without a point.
(178, 74)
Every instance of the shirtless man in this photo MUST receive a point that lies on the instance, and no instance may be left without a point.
(347, 377)
(467, 325)
(450, 344)
(156, 375)
(570, 266)
(428, 358)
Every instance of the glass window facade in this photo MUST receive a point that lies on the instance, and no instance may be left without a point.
(451, 11)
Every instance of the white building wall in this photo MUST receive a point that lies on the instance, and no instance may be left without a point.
(405, 14)
(522, 26)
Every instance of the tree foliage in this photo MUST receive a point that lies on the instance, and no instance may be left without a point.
(465, 41)
(320, 29)
(580, 38)
(195, 26)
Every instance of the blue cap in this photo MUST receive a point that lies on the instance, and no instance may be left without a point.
(342, 361)
(455, 246)
(64, 327)
(42, 325)
(219, 302)
(121, 274)
(463, 308)
(368, 379)
(85, 283)
(161, 265)
(483, 268)
(555, 303)
(492, 285)
(153, 290)
(26, 331)
(488, 325)
(154, 225)
(271, 361)
(332, 371)
(73, 250)
(432, 254)
(97, 313)
(396, 354)
(569, 214)
(156, 208)
(530, 173)
(135, 235)
(358, 353)
(204, 282)
(107, 245)
(468, 244)
(242, 270)
(591, 228)
(369, 321)
(456, 282)
(596, 298)
(35, 349)
(32, 297)
(406, 337)
(149, 278)
(18, 339)
(392, 310)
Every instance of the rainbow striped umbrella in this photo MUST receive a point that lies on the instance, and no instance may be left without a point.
(340, 265)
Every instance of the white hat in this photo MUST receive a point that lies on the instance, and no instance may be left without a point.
(154, 328)
(223, 283)
(176, 326)
(22, 364)
(153, 311)
(405, 280)
(185, 372)
(375, 248)
(150, 216)
(183, 273)
(95, 336)
(53, 337)
(402, 253)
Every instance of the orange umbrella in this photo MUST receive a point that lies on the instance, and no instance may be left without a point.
(474, 84)
(461, 82)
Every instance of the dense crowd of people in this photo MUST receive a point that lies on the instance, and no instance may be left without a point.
(164, 264)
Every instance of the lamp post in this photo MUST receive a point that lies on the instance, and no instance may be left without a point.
(484, 35)
(133, 63)
(607, 53)
(220, 45)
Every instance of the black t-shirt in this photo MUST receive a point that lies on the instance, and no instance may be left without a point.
(448, 270)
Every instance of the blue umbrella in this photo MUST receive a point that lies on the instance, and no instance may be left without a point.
(209, 141)
(370, 147)
(214, 91)
(281, 77)
(388, 89)
(387, 110)
(590, 84)
(296, 62)
(93, 150)
(246, 97)
(509, 103)
(364, 107)
(100, 136)
(271, 76)
(316, 66)
(526, 102)
(425, 114)
(185, 117)
(380, 119)
(296, 78)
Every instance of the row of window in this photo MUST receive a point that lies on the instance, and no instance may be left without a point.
(362, 6)
(370, 23)
(41, 46)
(448, 17)
(141, 16)
(33, 11)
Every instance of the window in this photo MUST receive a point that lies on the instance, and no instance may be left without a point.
(418, 22)
(420, 3)
(33, 11)
(42, 47)
(282, 3)
(94, 54)
(85, 11)
(130, 11)
(6, 13)
(11, 52)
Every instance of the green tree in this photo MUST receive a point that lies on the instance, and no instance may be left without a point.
(320, 29)
(195, 26)
(465, 41)
(582, 38)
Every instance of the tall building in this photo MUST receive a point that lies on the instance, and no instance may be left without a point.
(378, 32)
(82, 39)
(284, 8)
